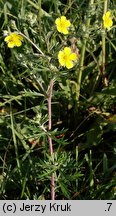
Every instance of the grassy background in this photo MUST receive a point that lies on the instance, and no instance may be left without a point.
(83, 128)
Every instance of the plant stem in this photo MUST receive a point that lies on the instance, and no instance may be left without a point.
(40, 85)
(49, 138)
(105, 81)
(32, 43)
(37, 8)
(49, 117)
(14, 140)
(82, 56)
(39, 15)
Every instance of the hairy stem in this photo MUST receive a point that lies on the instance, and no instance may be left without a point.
(49, 96)
(32, 43)
(49, 138)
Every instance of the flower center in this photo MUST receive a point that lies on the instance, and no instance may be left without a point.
(65, 57)
(107, 20)
(11, 39)
(62, 24)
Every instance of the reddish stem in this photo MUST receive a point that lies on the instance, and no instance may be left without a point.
(49, 138)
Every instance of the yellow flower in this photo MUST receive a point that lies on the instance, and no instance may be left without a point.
(107, 20)
(14, 39)
(62, 24)
(66, 58)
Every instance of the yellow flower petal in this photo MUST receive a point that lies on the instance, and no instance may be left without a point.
(14, 35)
(73, 56)
(63, 19)
(108, 13)
(57, 21)
(60, 54)
(59, 28)
(7, 38)
(69, 64)
(11, 44)
(67, 50)
(64, 31)
(18, 43)
(68, 23)
(108, 23)
(61, 58)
